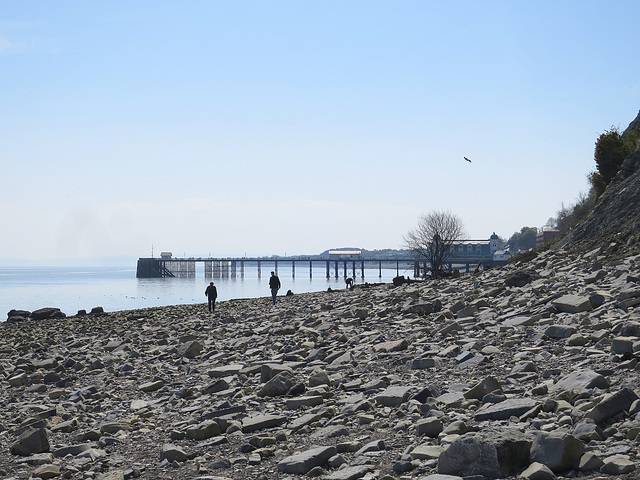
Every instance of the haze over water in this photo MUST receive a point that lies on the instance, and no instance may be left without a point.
(117, 288)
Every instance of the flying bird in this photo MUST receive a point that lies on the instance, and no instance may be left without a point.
(467, 159)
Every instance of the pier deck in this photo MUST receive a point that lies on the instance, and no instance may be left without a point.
(232, 267)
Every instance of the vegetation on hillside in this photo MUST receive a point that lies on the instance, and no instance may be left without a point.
(611, 149)
(523, 240)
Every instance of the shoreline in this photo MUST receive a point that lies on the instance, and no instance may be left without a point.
(384, 380)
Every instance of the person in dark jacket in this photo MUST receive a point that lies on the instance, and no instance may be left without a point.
(274, 285)
(211, 293)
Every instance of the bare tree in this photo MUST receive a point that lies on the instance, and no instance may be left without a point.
(434, 237)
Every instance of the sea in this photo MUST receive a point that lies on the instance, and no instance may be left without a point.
(116, 288)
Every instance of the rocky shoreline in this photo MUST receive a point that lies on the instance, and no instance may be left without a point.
(525, 371)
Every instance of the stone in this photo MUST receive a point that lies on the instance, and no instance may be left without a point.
(560, 331)
(151, 386)
(501, 411)
(426, 452)
(349, 473)
(537, 471)
(394, 396)
(582, 379)
(617, 465)
(47, 313)
(204, 430)
(173, 453)
(470, 456)
(254, 423)
(622, 345)
(30, 442)
(613, 404)
(319, 377)
(482, 388)
(586, 432)
(431, 427)
(278, 385)
(190, 349)
(391, 346)
(45, 472)
(589, 462)
(301, 463)
(557, 450)
(572, 303)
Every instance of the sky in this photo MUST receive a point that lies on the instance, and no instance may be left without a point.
(233, 128)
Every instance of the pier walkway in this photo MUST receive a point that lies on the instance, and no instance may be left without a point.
(232, 267)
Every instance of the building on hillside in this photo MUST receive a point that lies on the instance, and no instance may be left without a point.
(546, 234)
(501, 257)
(345, 254)
(484, 251)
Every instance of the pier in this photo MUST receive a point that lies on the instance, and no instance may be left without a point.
(236, 267)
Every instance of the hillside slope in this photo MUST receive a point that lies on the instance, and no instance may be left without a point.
(616, 218)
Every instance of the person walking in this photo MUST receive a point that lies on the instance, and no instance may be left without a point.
(274, 285)
(211, 293)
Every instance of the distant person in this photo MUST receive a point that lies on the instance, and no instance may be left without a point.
(349, 282)
(274, 285)
(211, 293)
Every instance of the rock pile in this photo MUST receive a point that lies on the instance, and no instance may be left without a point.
(528, 371)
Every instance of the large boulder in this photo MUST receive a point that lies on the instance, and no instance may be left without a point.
(494, 453)
(47, 313)
(557, 450)
(30, 442)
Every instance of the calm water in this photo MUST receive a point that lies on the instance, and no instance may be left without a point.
(117, 288)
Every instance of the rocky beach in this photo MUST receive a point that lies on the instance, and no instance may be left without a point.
(525, 371)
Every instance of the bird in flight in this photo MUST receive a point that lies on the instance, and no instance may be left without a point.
(467, 159)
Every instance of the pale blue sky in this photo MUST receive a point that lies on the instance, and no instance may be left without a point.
(273, 127)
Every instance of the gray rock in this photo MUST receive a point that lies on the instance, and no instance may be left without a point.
(572, 304)
(613, 404)
(301, 463)
(254, 423)
(513, 407)
(190, 349)
(30, 442)
(617, 465)
(586, 432)
(394, 396)
(278, 385)
(45, 472)
(203, 430)
(350, 473)
(623, 345)
(431, 427)
(173, 453)
(560, 331)
(589, 462)
(557, 450)
(537, 471)
(582, 379)
(319, 377)
(482, 388)
(470, 456)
